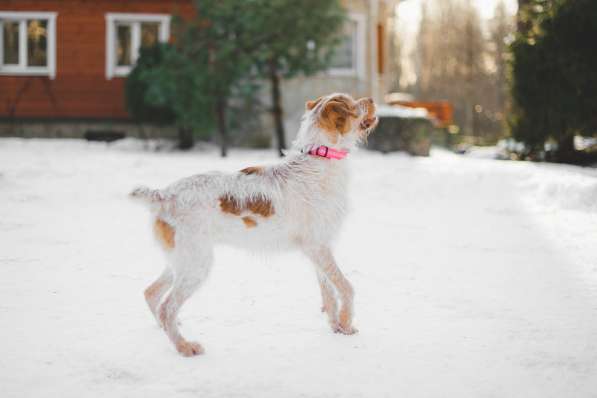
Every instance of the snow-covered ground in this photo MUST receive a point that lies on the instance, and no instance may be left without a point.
(473, 278)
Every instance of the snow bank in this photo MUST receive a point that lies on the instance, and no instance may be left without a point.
(549, 185)
(562, 186)
(483, 152)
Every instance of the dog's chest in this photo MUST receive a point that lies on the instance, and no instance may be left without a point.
(318, 200)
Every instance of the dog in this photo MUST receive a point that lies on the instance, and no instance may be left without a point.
(299, 203)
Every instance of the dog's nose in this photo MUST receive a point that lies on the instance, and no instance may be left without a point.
(368, 122)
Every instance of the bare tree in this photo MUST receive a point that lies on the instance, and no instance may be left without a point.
(501, 33)
(394, 56)
(457, 60)
(450, 57)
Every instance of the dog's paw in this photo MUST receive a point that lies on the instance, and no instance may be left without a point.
(343, 329)
(189, 348)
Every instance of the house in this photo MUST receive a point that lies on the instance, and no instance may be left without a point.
(63, 62)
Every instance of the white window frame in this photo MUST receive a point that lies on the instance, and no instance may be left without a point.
(22, 68)
(359, 56)
(135, 20)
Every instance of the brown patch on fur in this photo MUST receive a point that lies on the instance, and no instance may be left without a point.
(165, 233)
(335, 117)
(253, 170)
(228, 204)
(249, 222)
(261, 207)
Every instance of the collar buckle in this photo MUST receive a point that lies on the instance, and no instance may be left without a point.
(328, 153)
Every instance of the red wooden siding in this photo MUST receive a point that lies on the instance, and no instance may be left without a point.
(80, 89)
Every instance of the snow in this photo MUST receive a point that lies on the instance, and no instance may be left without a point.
(484, 152)
(401, 112)
(473, 278)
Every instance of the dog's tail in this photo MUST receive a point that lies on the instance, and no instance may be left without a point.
(147, 194)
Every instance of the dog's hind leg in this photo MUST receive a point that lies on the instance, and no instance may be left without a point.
(325, 262)
(191, 261)
(155, 291)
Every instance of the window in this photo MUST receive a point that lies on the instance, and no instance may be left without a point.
(349, 56)
(126, 34)
(28, 43)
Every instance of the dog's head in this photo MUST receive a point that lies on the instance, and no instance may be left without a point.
(342, 119)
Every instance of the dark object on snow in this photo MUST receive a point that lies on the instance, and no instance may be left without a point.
(402, 129)
(104, 135)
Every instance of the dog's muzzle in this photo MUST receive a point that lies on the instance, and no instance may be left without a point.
(369, 123)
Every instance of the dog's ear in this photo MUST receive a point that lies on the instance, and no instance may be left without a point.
(313, 103)
(335, 116)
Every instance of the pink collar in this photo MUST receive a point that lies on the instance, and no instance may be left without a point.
(327, 152)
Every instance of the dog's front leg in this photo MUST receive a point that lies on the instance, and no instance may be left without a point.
(324, 261)
(328, 298)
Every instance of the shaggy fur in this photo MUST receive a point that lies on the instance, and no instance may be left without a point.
(299, 203)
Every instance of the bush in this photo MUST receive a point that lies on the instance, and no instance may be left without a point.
(141, 108)
(165, 87)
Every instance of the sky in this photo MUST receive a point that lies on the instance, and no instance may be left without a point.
(409, 16)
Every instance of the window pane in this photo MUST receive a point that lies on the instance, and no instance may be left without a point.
(37, 42)
(10, 43)
(149, 33)
(123, 45)
(344, 53)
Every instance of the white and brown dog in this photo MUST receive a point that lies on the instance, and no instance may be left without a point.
(299, 203)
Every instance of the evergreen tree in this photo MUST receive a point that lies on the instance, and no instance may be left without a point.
(222, 52)
(221, 44)
(554, 79)
(292, 39)
(195, 76)
(163, 89)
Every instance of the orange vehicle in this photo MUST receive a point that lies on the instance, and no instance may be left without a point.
(441, 111)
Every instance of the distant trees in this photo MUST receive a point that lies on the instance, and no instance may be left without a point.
(395, 54)
(460, 62)
(228, 51)
(554, 79)
(501, 31)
